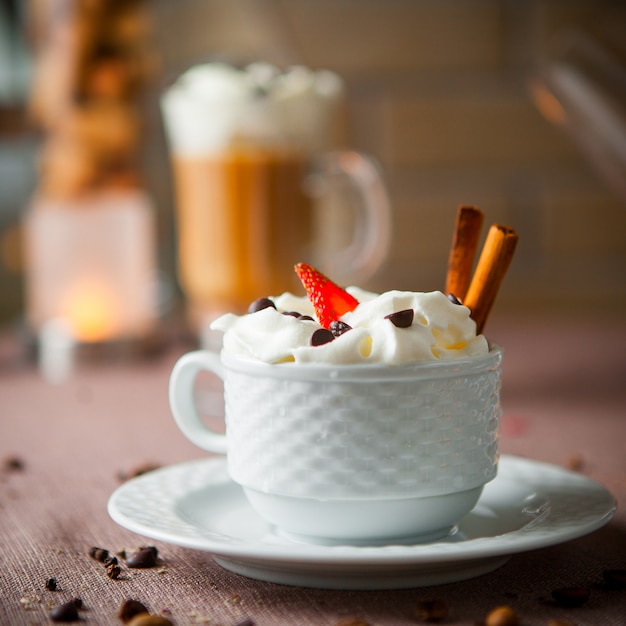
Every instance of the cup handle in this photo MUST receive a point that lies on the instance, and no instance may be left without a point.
(182, 402)
(372, 236)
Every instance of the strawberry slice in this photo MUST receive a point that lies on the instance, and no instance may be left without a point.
(329, 300)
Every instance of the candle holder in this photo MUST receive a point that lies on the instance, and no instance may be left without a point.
(91, 275)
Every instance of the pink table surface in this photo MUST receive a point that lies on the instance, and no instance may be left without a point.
(564, 398)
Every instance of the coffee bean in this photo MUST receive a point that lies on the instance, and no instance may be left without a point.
(144, 619)
(113, 571)
(66, 612)
(14, 464)
(575, 462)
(432, 611)
(100, 554)
(140, 470)
(153, 549)
(502, 616)
(401, 319)
(129, 609)
(260, 304)
(338, 328)
(321, 336)
(142, 558)
(615, 578)
(454, 299)
(571, 596)
(51, 584)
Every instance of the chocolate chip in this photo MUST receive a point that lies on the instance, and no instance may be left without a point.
(571, 596)
(454, 299)
(432, 611)
(129, 609)
(321, 336)
(292, 313)
(260, 304)
(401, 319)
(66, 612)
(100, 554)
(338, 328)
(502, 616)
(78, 603)
(110, 560)
(143, 558)
(113, 571)
(306, 317)
(615, 578)
(51, 584)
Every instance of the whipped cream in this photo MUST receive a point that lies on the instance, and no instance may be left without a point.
(214, 106)
(441, 330)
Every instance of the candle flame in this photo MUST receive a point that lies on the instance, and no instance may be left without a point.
(91, 311)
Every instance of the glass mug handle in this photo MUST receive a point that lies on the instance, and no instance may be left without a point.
(372, 235)
(182, 403)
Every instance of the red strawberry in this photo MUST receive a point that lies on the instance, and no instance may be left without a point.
(330, 300)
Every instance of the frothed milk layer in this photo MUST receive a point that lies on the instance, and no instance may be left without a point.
(214, 107)
(441, 331)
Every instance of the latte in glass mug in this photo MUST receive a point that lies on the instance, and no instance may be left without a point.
(244, 144)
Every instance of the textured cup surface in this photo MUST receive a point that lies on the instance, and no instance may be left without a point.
(358, 454)
(363, 431)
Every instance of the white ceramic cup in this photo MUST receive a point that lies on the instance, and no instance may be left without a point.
(360, 454)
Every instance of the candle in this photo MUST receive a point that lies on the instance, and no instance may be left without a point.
(92, 310)
(92, 264)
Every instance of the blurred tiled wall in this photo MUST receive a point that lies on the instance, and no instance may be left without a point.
(439, 94)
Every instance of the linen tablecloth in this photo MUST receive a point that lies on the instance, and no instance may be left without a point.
(64, 448)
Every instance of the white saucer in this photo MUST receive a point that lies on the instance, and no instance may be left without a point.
(529, 505)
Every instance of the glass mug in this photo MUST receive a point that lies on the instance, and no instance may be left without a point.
(247, 186)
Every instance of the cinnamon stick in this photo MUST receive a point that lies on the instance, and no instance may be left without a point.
(469, 222)
(491, 268)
